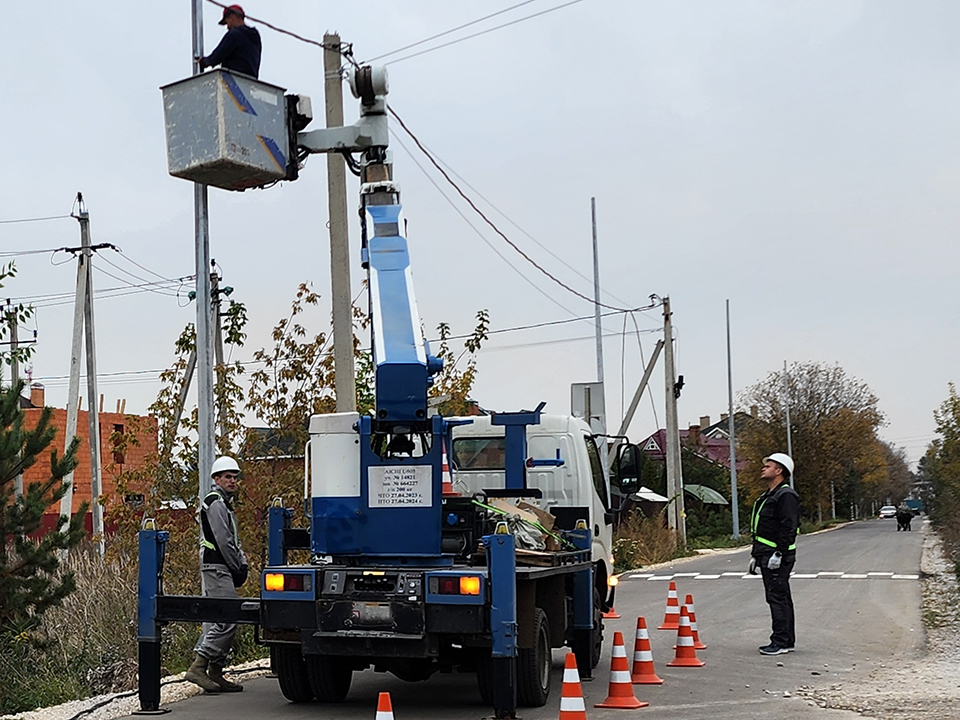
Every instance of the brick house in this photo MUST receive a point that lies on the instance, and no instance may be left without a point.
(112, 461)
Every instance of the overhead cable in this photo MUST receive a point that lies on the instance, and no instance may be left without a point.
(32, 220)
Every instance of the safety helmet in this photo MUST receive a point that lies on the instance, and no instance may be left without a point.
(224, 464)
(782, 459)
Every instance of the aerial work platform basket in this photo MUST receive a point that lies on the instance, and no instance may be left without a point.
(226, 129)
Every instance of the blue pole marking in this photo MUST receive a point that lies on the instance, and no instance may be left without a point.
(502, 563)
(243, 105)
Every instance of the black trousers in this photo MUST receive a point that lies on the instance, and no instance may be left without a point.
(776, 586)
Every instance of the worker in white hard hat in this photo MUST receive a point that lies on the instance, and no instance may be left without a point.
(223, 568)
(774, 523)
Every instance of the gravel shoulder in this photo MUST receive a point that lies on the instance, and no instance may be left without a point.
(924, 688)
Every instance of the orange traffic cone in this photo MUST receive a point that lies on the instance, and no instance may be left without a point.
(686, 652)
(447, 486)
(571, 694)
(643, 672)
(688, 601)
(384, 707)
(671, 618)
(620, 693)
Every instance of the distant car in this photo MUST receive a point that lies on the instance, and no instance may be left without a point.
(888, 511)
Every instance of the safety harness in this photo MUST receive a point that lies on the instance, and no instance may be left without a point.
(211, 553)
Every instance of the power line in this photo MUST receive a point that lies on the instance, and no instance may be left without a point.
(492, 224)
(148, 287)
(477, 230)
(483, 32)
(343, 49)
(18, 253)
(447, 32)
(32, 220)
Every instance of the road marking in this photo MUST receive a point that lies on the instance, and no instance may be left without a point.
(824, 574)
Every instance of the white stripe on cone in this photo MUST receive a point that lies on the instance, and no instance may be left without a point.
(620, 676)
(570, 675)
(684, 641)
(572, 704)
(643, 656)
(619, 651)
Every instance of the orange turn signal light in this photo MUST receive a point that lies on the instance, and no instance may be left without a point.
(469, 585)
(273, 581)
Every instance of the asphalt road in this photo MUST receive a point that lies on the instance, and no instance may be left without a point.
(857, 593)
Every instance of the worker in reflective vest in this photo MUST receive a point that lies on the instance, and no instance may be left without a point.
(223, 568)
(774, 522)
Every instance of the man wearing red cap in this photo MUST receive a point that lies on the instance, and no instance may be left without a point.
(239, 50)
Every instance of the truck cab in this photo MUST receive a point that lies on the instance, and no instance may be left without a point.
(564, 465)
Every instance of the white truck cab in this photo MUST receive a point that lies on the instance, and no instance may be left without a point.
(477, 461)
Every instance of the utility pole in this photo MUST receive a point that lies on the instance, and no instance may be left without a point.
(206, 446)
(339, 235)
(13, 323)
(786, 404)
(93, 416)
(735, 506)
(675, 512)
(604, 456)
(628, 417)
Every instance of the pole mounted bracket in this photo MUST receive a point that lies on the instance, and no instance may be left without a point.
(370, 86)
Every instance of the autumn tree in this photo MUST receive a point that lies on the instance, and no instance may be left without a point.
(452, 387)
(833, 421)
(941, 468)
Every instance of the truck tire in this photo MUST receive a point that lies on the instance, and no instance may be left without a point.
(291, 671)
(534, 665)
(329, 678)
(597, 629)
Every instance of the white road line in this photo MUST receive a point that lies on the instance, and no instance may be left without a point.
(853, 576)
(829, 574)
(661, 577)
(640, 577)
(880, 574)
(685, 574)
(707, 577)
(906, 577)
(804, 576)
(732, 574)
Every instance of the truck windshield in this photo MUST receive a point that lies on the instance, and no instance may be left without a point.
(479, 453)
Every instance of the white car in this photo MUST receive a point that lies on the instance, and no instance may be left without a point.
(888, 511)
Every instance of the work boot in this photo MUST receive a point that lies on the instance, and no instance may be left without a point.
(215, 673)
(197, 674)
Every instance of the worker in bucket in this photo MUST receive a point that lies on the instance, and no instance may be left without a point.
(223, 568)
(239, 50)
(774, 522)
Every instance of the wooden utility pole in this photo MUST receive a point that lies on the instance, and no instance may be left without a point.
(675, 512)
(339, 235)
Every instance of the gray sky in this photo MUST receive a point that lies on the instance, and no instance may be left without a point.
(800, 159)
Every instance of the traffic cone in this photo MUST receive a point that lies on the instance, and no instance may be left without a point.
(620, 692)
(571, 694)
(688, 601)
(447, 486)
(384, 707)
(671, 618)
(643, 672)
(686, 652)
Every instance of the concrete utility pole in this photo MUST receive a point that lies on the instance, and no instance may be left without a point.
(339, 235)
(675, 512)
(205, 400)
(604, 456)
(735, 506)
(628, 417)
(218, 351)
(13, 323)
(93, 416)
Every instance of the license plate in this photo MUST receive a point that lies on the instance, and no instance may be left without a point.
(368, 613)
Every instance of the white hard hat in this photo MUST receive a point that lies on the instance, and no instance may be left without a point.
(223, 464)
(783, 459)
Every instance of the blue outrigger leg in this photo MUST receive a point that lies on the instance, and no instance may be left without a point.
(153, 545)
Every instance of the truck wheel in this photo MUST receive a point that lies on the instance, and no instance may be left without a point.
(292, 673)
(329, 677)
(534, 665)
(597, 629)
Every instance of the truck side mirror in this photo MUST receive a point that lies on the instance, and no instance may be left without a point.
(629, 462)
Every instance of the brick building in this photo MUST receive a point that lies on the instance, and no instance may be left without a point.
(112, 460)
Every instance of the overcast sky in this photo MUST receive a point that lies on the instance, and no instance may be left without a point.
(800, 159)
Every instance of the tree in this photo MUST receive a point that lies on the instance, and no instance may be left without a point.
(29, 578)
(453, 385)
(833, 421)
(941, 469)
(18, 313)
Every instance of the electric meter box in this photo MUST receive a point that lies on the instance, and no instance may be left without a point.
(226, 129)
